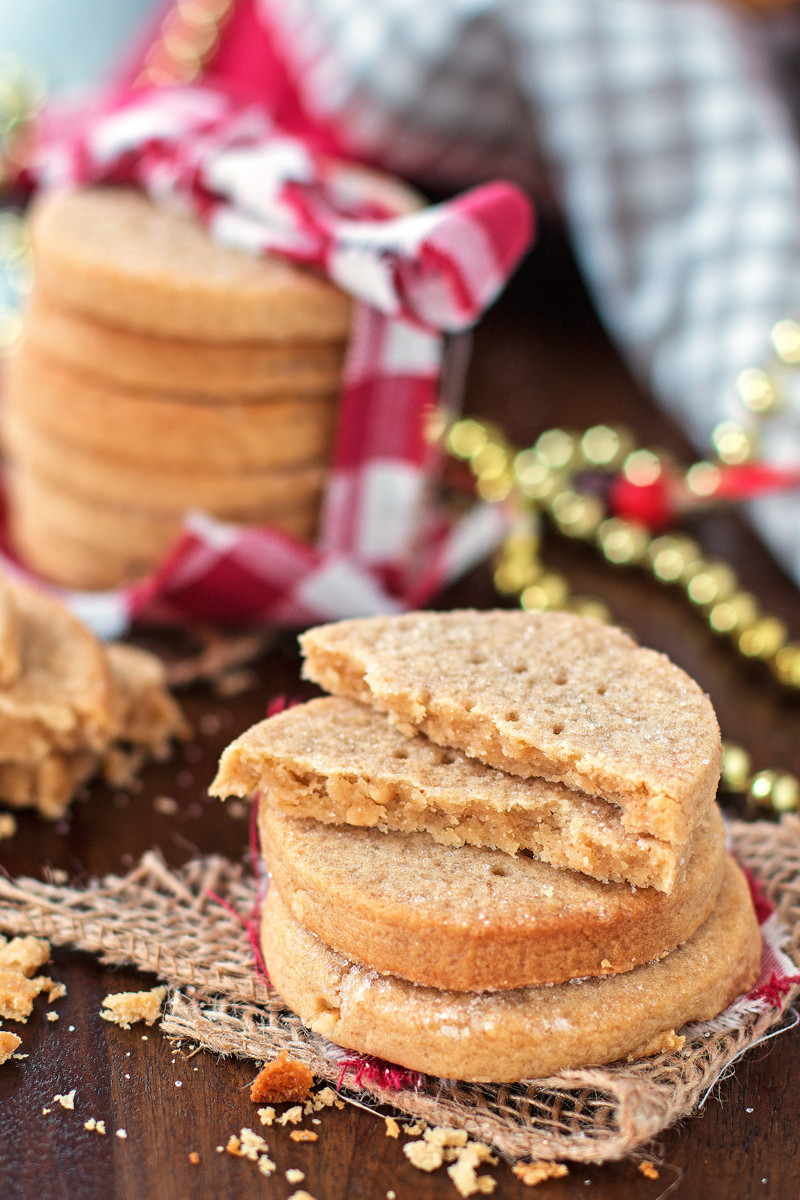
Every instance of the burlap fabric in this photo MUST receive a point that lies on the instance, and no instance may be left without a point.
(166, 922)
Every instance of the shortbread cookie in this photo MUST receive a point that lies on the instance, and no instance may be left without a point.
(472, 919)
(525, 1033)
(161, 430)
(114, 481)
(244, 370)
(133, 533)
(342, 763)
(61, 700)
(545, 694)
(113, 255)
(66, 560)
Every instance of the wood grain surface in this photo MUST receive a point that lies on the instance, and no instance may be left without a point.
(540, 359)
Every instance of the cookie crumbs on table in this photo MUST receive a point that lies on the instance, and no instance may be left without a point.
(392, 1128)
(95, 1126)
(67, 1101)
(194, 1157)
(122, 1134)
(649, 1170)
(534, 1173)
(128, 1008)
(303, 1135)
(293, 1175)
(423, 1155)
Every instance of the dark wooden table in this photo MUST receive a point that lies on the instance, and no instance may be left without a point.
(540, 360)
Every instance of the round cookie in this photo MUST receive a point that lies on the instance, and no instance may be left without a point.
(202, 370)
(526, 1033)
(111, 254)
(66, 560)
(552, 695)
(475, 919)
(142, 533)
(160, 430)
(110, 480)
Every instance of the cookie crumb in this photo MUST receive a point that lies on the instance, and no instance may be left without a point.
(57, 990)
(282, 1080)
(67, 1101)
(122, 1134)
(266, 1115)
(415, 1129)
(52, 1015)
(8, 1044)
(292, 1116)
(649, 1170)
(463, 1171)
(194, 1157)
(293, 1175)
(442, 1135)
(24, 954)
(423, 1155)
(326, 1098)
(8, 825)
(303, 1135)
(128, 1008)
(266, 1166)
(534, 1173)
(95, 1126)
(165, 805)
(301, 1195)
(392, 1128)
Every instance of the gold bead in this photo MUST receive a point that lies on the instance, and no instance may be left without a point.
(702, 479)
(466, 437)
(760, 790)
(604, 446)
(622, 542)
(490, 461)
(494, 487)
(757, 391)
(576, 515)
(786, 793)
(786, 341)
(556, 447)
(642, 467)
(670, 557)
(513, 575)
(536, 479)
(787, 664)
(589, 606)
(716, 581)
(549, 592)
(734, 614)
(733, 443)
(735, 767)
(764, 639)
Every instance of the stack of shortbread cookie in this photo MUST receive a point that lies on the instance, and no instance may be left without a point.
(496, 852)
(160, 373)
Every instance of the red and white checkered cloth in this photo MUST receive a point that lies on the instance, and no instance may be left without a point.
(416, 276)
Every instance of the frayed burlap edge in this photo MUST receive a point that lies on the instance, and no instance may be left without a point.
(166, 922)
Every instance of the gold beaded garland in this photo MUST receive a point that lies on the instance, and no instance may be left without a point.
(540, 479)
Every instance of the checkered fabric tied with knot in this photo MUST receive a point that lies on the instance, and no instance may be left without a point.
(416, 276)
(654, 124)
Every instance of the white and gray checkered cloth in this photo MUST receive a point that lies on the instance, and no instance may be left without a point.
(656, 126)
